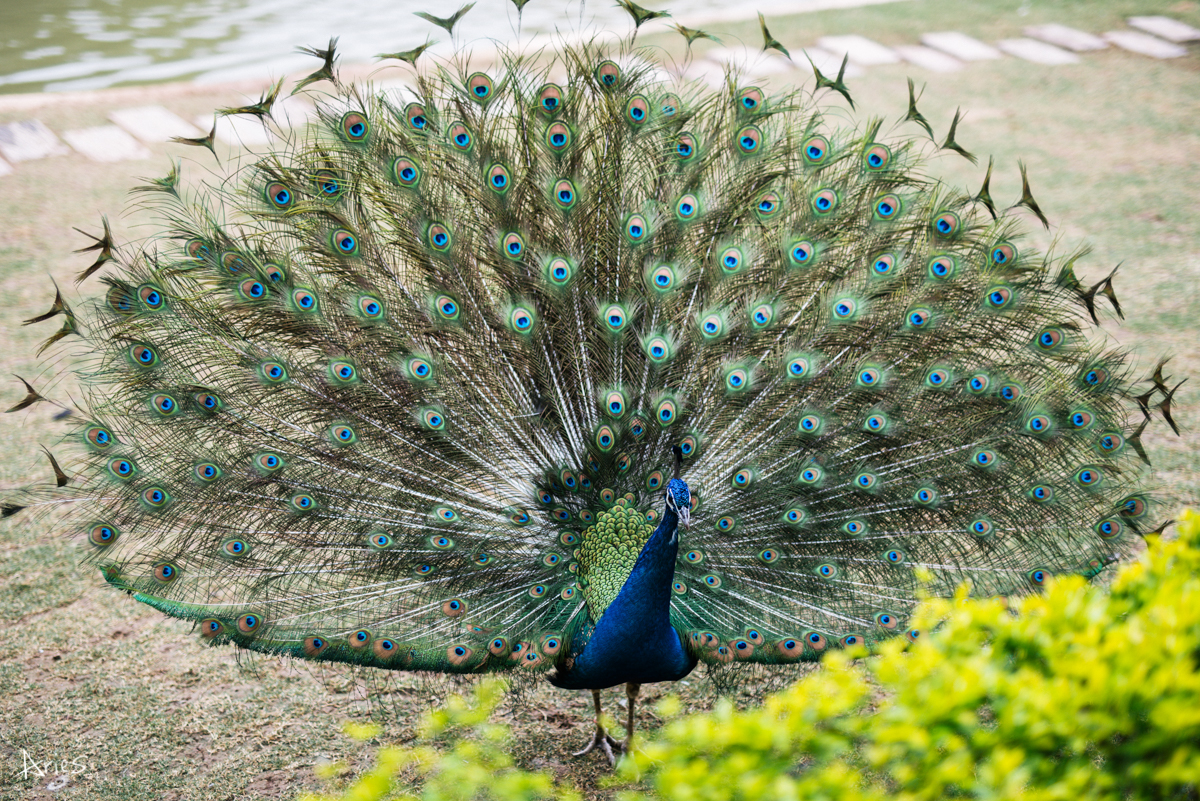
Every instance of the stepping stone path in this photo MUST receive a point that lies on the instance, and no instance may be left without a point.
(28, 140)
(106, 143)
(1166, 28)
(861, 50)
(1037, 52)
(1145, 44)
(928, 58)
(943, 51)
(154, 124)
(960, 46)
(1069, 38)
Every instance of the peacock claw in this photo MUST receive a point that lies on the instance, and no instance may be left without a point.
(607, 744)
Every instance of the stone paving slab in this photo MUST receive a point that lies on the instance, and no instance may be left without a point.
(827, 62)
(1166, 28)
(237, 130)
(106, 143)
(1037, 52)
(959, 45)
(928, 58)
(752, 62)
(1066, 37)
(862, 51)
(154, 124)
(27, 140)
(1145, 44)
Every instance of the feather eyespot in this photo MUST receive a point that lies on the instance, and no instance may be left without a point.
(918, 319)
(460, 137)
(614, 404)
(1110, 529)
(669, 105)
(877, 157)
(845, 308)
(165, 573)
(888, 207)
(433, 420)
(445, 514)
(679, 588)
(211, 627)
(1003, 254)
(689, 446)
(550, 98)
(768, 205)
(925, 496)
(1081, 419)
(731, 260)
(798, 367)
(559, 271)
(379, 541)
(440, 238)
(947, 224)
(273, 372)
(406, 171)
(1039, 425)
(1111, 443)
(446, 307)
(360, 639)
(235, 548)
(790, 648)
(811, 474)
(801, 253)
(1041, 493)
(455, 607)
(151, 297)
(984, 458)
(810, 425)
(1039, 576)
(385, 649)
(233, 262)
(1010, 392)
(207, 473)
(795, 516)
(441, 543)
(887, 621)
(824, 201)
(726, 524)
(558, 137)
(1089, 477)
(942, 267)
(144, 355)
(314, 646)
(164, 405)
(1095, 377)
(978, 383)
(999, 297)
(939, 378)
(498, 179)
(686, 148)
(479, 87)
(815, 641)
(302, 502)
(662, 278)
(551, 559)
(249, 623)
(303, 300)
(981, 527)
(122, 469)
(894, 556)
(869, 377)
(826, 571)
(711, 581)
(637, 110)
(665, 412)
(883, 265)
(521, 319)
(750, 99)
(687, 208)
(606, 438)
(743, 478)
(866, 481)
(328, 184)
(636, 230)
(252, 289)
(762, 315)
(197, 249)
(737, 379)
(658, 349)
(815, 150)
(748, 140)
(608, 74)
(564, 194)
(355, 127)
(852, 641)
(1133, 507)
(268, 463)
(414, 114)
(537, 590)
(344, 242)
(103, 534)
(1050, 338)
(876, 423)
(343, 372)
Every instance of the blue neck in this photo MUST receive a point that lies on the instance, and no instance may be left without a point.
(634, 641)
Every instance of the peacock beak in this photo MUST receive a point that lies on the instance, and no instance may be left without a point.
(685, 516)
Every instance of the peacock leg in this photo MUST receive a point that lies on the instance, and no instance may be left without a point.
(601, 738)
(631, 693)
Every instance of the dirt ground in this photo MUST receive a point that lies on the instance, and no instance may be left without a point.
(129, 705)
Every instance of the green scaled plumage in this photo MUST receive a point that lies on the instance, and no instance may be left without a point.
(405, 398)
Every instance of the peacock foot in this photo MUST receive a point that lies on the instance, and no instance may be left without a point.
(606, 743)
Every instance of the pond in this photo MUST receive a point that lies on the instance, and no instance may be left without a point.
(68, 45)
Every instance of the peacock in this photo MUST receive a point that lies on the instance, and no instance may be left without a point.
(575, 368)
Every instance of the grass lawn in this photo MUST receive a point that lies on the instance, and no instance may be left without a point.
(1112, 145)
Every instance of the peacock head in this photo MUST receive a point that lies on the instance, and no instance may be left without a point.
(679, 500)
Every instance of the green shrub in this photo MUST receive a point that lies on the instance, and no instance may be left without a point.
(1076, 693)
